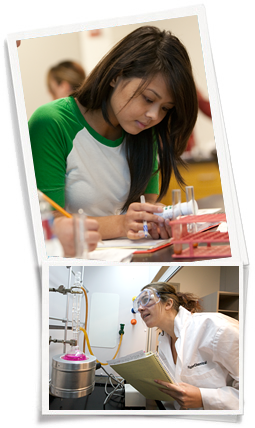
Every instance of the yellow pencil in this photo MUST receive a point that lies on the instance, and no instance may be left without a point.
(54, 205)
(57, 207)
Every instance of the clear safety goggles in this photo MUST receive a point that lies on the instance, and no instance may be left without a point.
(148, 297)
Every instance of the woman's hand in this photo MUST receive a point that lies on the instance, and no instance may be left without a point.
(63, 228)
(188, 396)
(136, 214)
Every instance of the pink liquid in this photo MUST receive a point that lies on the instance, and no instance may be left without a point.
(78, 356)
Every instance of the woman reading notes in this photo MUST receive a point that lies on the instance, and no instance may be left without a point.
(104, 146)
(202, 349)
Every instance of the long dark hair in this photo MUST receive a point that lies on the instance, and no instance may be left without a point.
(166, 291)
(143, 54)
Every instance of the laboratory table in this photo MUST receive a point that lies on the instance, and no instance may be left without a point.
(165, 255)
(95, 401)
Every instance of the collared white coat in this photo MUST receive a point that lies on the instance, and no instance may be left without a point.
(207, 349)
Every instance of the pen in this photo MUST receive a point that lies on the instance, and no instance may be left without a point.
(145, 226)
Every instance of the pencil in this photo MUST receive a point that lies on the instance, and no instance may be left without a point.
(55, 205)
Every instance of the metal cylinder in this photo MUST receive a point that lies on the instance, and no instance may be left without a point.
(72, 379)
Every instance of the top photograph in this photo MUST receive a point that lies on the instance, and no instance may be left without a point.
(121, 135)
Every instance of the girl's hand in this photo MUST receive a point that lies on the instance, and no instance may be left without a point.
(161, 230)
(63, 228)
(93, 236)
(188, 396)
(136, 214)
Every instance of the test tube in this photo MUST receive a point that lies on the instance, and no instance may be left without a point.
(177, 228)
(81, 248)
(191, 227)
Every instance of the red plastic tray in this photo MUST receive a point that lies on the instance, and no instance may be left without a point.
(206, 237)
(204, 218)
(214, 252)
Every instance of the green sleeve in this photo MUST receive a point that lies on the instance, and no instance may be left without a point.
(49, 151)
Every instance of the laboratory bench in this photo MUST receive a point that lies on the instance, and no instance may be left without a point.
(95, 401)
(164, 255)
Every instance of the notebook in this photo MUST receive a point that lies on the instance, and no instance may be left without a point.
(141, 244)
(140, 369)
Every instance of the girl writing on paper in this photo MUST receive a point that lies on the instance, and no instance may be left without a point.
(202, 349)
(104, 146)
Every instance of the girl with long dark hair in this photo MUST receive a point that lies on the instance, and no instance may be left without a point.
(104, 146)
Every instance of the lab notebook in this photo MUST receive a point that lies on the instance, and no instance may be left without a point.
(140, 370)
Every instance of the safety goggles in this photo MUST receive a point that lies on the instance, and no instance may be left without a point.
(147, 298)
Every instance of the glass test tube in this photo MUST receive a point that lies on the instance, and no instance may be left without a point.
(81, 248)
(177, 228)
(191, 227)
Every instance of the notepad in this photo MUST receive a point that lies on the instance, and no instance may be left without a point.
(140, 369)
(141, 244)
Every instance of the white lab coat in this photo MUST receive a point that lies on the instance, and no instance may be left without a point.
(207, 349)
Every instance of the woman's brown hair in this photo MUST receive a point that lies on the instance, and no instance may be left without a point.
(166, 291)
(143, 54)
(68, 71)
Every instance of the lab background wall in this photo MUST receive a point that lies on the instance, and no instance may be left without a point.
(37, 55)
(110, 290)
(204, 280)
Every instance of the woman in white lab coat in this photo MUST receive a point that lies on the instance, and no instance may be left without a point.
(201, 349)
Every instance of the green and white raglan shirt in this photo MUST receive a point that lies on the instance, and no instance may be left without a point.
(75, 166)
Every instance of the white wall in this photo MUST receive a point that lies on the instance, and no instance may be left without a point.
(124, 281)
(37, 55)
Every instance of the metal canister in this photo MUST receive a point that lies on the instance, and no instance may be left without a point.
(72, 379)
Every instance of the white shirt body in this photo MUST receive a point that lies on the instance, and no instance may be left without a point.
(207, 349)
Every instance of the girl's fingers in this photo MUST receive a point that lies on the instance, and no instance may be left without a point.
(149, 208)
(163, 232)
(146, 206)
(168, 228)
(92, 224)
(143, 215)
(134, 235)
(154, 231)
(144, 212)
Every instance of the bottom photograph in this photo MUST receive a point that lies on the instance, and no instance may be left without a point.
(131, 339)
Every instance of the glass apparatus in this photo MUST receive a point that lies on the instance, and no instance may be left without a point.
(81, 248)
(177, 229)
(75, 354)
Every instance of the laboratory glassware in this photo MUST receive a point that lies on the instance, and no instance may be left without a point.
(80, 242)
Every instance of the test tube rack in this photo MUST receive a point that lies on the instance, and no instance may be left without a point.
(203, 237)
